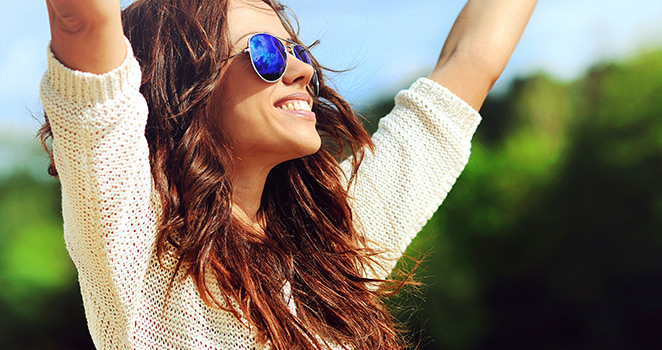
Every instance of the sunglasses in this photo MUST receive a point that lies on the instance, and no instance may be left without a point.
(269, 58)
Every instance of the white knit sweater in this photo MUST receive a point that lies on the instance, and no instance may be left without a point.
(110, 207)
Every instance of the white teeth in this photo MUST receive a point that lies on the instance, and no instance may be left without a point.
(296, 106)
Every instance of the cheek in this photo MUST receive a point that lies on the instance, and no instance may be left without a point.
(248, 123)
(238, 96)
(239, 122)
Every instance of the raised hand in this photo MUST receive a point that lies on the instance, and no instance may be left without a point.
(86, 35)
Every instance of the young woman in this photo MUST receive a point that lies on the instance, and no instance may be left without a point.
(217, 194)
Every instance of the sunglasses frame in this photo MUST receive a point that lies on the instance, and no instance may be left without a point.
(288, 49)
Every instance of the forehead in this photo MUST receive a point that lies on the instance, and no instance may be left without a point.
(247, 17)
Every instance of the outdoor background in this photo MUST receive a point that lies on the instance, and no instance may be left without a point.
(551, 238)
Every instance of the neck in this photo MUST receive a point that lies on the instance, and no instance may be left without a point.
(247, 187)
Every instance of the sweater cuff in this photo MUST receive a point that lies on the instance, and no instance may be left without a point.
(434, 96)
(89, 88)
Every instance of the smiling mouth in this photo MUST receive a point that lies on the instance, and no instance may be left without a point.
(298, 105)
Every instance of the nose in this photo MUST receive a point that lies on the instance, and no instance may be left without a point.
(297, 72)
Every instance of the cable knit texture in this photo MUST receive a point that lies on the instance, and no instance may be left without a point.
(110, 207)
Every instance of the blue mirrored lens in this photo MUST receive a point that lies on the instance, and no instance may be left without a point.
(301, 53)
(268, 56)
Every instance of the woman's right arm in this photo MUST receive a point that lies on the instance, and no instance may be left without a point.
(91, 96)
(86, 35)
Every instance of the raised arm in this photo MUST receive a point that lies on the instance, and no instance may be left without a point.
(479, 46)
(423, 145)
(91, 95)
(86, 35)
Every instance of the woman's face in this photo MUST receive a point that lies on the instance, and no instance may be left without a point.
(249, 109)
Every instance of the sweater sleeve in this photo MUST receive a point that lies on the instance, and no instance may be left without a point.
(421, 147)
(101, 155)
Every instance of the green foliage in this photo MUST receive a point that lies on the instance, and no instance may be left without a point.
(39, 299)
(551, 236)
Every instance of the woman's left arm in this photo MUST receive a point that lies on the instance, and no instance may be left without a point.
(423, 145)
(479, 46)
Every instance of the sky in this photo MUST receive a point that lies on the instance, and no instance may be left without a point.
(386, 44)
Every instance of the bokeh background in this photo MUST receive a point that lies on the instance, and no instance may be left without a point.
(551, 238)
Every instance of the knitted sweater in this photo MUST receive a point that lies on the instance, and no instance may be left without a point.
(110, 208)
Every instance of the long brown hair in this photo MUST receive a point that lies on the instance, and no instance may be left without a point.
(310, 239)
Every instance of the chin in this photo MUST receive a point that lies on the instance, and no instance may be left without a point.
(310, 147)
(303, 146)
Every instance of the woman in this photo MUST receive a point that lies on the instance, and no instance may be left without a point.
(203, 209)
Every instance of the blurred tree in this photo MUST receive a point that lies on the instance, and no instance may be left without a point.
(551, 237)
(40, 304)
